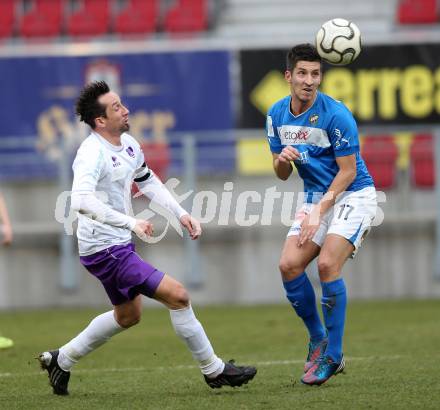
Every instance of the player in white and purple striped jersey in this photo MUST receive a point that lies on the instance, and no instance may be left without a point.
(107, 163)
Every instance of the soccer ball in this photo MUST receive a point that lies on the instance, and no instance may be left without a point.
(338, 41)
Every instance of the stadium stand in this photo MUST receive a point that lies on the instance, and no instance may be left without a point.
(44, 19)
(93, 18)
(418, 11)
(255, 20)
(88, 18)
(8, 10)
(187, 16)
(380, 153)
(422, 161)
(137, 17)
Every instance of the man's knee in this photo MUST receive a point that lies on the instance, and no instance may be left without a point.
(179, 297)
(327, 268)
(128, 319)
(290, 269)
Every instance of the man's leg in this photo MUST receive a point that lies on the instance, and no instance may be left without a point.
(334, 253)
(217, 373)
(300, 293)
(99, 331)
(58, 363)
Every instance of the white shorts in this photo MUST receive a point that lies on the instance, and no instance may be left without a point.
(350, 217)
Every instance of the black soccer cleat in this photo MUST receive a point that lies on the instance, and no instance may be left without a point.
(58, 378)
(232, 375)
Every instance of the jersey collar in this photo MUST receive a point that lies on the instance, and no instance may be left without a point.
(107, 144)
(308, 109)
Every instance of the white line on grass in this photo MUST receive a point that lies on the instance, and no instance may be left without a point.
(185, 367)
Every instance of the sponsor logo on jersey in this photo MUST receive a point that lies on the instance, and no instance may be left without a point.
(314, 119)
(296, 135)
(116, 162)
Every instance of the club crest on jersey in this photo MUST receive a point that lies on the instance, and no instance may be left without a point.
(314, 119)
(130, 152)
(116, 162)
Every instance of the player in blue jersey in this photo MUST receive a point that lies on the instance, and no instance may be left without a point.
(319, 136)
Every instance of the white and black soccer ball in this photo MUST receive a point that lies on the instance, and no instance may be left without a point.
(338, 41)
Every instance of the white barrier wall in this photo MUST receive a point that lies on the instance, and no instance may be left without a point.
(238, 264)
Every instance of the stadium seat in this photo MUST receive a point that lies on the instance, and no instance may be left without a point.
(92, 19)
(187, 16)
(417, 11)
(7, 17)
(157, 157)
(44, 19)
(380, 155)
(422, 161)
(138, 17)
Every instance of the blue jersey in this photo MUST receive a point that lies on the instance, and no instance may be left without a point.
(325, 131)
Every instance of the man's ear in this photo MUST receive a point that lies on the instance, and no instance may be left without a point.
(288, 76)
(99, 122)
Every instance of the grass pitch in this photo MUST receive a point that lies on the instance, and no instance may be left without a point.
(392, 351)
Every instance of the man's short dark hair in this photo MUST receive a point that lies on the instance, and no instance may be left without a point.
(301, 52)
(87, 106)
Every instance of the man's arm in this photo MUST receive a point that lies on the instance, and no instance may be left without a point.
(86, 203)
(151, 186)
(5, 222)
(341, 181)
(282, 162)
(345, 176)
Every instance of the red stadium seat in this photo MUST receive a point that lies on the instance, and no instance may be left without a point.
(45, 19)
(380, 155)
(417, 11)
(187, 16)
(140, 16)
(7, 17)
(422, 161)
(92, 18)
(157, 157)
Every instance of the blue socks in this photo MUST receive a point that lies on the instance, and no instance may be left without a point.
(301, 295)
(334, 303)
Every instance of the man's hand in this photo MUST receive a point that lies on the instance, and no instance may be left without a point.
(288, 154)
(192, 225)
(143, 228)
(309, 226)
(7, 235)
